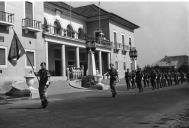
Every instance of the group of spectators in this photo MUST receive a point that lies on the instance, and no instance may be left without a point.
(155, 78)
(73, 73)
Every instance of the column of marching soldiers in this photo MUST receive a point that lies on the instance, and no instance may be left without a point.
(155, 78)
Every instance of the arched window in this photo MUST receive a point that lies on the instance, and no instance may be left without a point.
(81, 33)
(57, 27)
(70, 31)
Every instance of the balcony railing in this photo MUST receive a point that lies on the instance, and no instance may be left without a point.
(6, 18)
(31, 24)
(126, 47)
(103, 41)
(117, 46)
(73, 35)
(61, 32)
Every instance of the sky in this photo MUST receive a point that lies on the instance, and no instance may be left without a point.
(163, 27)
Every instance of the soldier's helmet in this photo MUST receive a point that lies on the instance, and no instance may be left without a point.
(43, 63)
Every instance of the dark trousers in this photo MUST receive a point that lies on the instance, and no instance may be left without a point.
(112, 86)
(43, 96)
(128, 84)
(139, 85)
(153, 83)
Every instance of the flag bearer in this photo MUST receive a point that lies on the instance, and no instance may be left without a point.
(44, 83)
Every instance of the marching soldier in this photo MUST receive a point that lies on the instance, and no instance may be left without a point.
(153, 79)
(139, 80)
(128, 79)
(187, 76)
(145, 79)
(112, 72)
(148, 79)
(170, 78)
(44, 83)
(158, 85)
(133, 79)
(182, 79)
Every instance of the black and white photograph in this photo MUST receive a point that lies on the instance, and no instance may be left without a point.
(94, 64)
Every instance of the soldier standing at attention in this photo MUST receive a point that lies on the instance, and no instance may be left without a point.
(44, 83)
(112, 72)
(128, 79)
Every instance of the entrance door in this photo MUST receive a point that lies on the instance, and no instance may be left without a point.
(58, 67)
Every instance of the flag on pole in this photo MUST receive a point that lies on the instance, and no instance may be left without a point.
(16, 50)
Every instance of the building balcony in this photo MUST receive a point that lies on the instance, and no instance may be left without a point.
(31, 25)
(6, 18)
(126, 48)
(64, 33)
(133, 53)
(117, 47)
(104, 43)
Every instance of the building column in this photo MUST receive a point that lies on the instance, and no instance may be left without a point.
(135, 64)
(63, 61)
(77, 58)
(100, 62)
(108, 60)
(47, 55)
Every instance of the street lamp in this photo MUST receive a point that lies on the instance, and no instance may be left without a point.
(91, 45)
(133, 55)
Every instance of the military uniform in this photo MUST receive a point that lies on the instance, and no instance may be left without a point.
(133, 79)
(128, 79)
(187, 76)
(113, 79)
(152, 79)
(139, 80)
(145, 79)
(43, 78)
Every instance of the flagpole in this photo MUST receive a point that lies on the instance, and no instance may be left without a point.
(31, 66)
(27, 56)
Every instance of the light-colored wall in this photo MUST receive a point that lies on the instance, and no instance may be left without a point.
(51, 16)
(37, 44)
(114, 27)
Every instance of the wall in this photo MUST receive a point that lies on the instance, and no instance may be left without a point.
(51, 16)
(37, 44)
(114, 27)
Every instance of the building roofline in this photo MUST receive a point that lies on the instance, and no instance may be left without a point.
(111, 16)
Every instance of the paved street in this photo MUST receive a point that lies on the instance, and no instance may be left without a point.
(96, 109)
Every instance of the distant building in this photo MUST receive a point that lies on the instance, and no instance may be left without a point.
(178, 62)
(56, 33)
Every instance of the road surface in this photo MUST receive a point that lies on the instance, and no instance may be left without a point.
(163, 108)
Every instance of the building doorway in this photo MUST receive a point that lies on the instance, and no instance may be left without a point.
(58, 68)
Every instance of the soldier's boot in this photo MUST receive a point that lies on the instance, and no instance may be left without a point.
(44, 103)
(114, 94)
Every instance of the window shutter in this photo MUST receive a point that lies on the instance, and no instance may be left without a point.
(29, 10)
(123, 40)
(2, 6)
(31, 57)
(2, 56)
